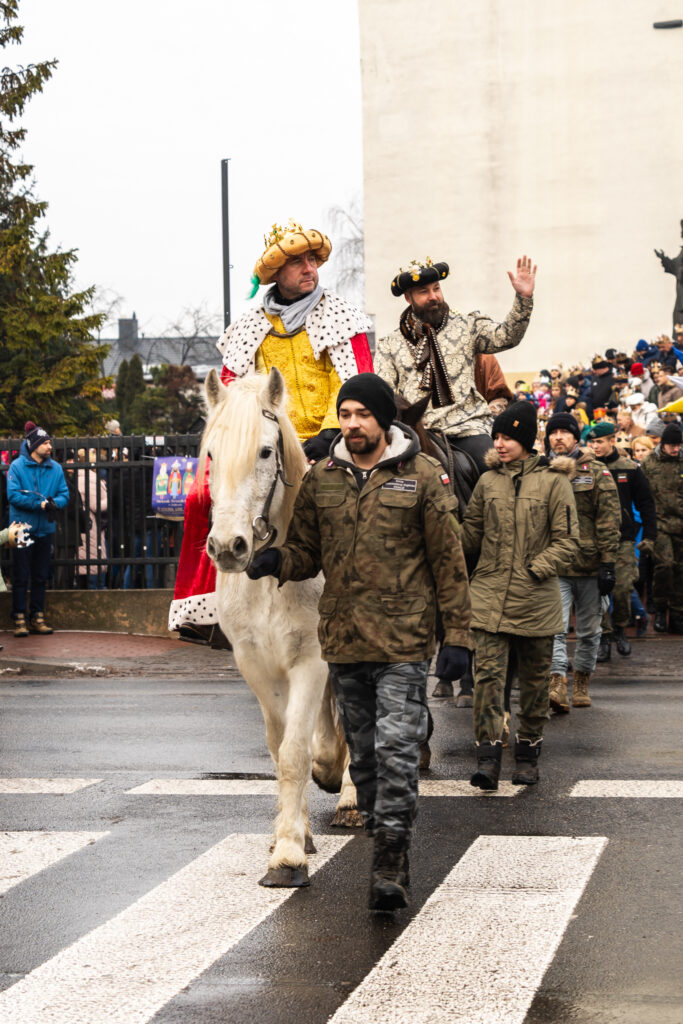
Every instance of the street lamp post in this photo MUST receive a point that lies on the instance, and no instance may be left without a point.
(226, 243)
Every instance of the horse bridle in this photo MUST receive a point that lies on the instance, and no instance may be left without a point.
(263, 530)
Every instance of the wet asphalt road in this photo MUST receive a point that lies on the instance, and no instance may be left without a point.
(618, 959)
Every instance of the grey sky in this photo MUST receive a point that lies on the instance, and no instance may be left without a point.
(149, 96)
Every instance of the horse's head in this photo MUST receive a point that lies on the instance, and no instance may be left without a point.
(254, 454)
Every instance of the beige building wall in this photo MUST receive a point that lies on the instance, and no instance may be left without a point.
(494, 128)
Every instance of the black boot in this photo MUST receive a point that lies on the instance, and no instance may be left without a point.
(465, 698)
(526, 762)
(488, 765)
(605, 648)
(623, 645)
(389, 871)
(660, 620)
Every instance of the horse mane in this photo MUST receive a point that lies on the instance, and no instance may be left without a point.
(232, 436)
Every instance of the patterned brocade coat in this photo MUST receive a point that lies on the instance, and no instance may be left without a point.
(463, 337)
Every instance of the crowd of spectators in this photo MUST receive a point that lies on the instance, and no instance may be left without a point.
(641, 394)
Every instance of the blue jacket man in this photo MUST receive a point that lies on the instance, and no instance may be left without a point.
(36, 488)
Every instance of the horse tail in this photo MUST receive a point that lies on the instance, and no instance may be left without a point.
(330, 753)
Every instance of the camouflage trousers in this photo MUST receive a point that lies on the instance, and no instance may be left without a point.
(490, 666)
(626, 571)
(383, 710)
(667, 582)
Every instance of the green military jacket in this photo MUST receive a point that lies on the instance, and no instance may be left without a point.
(665, 476)
(389, 550)
(521, 517)
(599, 511)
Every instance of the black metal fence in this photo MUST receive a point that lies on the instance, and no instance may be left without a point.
(108, 536)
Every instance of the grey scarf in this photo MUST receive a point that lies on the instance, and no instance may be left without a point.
(293, 316)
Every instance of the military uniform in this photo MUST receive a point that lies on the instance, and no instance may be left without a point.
(522, 520)
(388, 544)
(664, 474)
(633, 489)
(599, 514)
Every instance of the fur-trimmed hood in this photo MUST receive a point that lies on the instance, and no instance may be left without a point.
(560, 464)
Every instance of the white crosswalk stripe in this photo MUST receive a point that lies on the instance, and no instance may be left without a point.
(640, 789)
(59, 787)
(511, 897)
(23, 854)
(124, 971)
(268, 787)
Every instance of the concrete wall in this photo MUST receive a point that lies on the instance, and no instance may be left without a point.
(494, 128)
(107, 611)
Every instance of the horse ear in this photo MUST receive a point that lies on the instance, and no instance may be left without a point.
(213, 389)
(414, 413)
(275, 391)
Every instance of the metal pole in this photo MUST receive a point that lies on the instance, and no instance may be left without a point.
(226, 243)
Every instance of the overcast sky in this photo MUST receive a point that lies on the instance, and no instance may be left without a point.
(148, 97)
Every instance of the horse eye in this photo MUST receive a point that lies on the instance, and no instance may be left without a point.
(265, 453)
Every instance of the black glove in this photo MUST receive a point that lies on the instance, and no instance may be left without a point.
(606, 578)
(50, 510)
(318, 447)
(452, 662)
(265, 563)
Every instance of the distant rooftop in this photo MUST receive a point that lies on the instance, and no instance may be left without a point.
(198, 352)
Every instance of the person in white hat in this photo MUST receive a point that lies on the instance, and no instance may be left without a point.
(640, 409)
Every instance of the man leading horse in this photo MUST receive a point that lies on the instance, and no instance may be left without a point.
(316, 340)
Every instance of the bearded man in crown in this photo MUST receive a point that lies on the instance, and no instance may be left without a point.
(317, 340)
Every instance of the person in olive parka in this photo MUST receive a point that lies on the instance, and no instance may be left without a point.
(522, 520)
(378, 518)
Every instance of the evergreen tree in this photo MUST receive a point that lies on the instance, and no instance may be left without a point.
(50, 368)
(135, 386)
(122, 391)
(172, 405)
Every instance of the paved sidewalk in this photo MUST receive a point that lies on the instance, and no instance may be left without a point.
(120, 654)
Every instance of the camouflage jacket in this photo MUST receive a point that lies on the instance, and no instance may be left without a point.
(389, 552)
(521, 517)
(460, 341)
(665, 476)
(599, 512)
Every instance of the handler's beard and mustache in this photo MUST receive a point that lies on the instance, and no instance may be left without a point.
(432, 313)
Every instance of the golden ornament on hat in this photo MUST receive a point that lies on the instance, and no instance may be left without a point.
(283, 243)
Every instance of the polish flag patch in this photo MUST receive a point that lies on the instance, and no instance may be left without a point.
(445, 479)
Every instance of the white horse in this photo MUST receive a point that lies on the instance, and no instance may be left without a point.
(257, 466)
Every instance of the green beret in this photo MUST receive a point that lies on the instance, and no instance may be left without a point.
(418, 274)
(602, 429)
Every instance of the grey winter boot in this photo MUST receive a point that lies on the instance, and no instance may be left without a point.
(488, 765)
(390, 873)
(527, 754)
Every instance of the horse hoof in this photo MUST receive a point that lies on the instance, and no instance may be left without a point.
(443, 688)
(347, 817)
(309, 845)
(285, 877)
(425, 756)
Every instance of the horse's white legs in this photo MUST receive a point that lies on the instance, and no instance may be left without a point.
(288, 859)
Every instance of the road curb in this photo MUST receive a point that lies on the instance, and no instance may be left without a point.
(13, 667)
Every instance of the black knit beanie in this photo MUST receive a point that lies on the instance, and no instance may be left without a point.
(373, 393)
(563, 421)
(518, 421)
(672, 434)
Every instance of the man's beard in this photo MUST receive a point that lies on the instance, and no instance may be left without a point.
(369, 444)
(433, 313)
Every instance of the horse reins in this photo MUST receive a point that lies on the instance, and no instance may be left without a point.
(262, 529)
